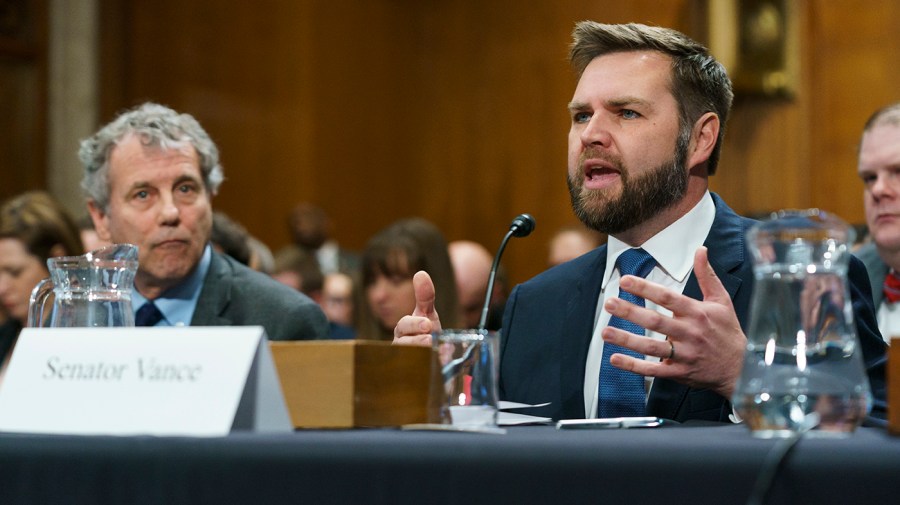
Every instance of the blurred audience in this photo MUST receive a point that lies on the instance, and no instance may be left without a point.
(472, 268)
(862, 236)
(261, 257)
(571, 242)
(879, 159)
(388, 263)
(232, 238)
(229, 237)
(300, 270)
(89, 237)
(33, 228)
(311, 230)
(337, 298)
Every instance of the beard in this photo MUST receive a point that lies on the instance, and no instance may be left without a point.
(642, 197)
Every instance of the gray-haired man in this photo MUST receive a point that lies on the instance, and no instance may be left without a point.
(150, 176)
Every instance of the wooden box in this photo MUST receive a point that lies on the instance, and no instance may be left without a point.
(893, 386)
(353, 383)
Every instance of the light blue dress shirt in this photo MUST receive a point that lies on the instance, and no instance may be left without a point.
(177, 304)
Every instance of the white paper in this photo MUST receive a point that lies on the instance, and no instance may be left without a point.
(513, 419)
(505, 405)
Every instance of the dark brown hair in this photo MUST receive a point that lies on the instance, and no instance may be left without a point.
(401, 250)
(699, 82)
(41, 223)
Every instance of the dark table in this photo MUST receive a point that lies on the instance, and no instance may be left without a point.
(538, 464)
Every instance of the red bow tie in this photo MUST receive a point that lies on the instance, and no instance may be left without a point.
(892, 287)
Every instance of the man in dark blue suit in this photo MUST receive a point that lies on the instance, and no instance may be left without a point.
(647, 122)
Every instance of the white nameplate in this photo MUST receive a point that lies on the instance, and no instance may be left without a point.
(193, 381)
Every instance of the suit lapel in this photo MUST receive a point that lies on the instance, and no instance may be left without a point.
(726, 253)
(878, 272)
(578, 329)
(725, 244)
(215, 295)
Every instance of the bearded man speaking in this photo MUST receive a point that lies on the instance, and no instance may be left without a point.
(653, 322)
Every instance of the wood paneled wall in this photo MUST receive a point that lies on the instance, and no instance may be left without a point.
(455, 110)
(853, 68)
(23, 101)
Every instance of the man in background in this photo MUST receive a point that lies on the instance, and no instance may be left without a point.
(150, 176)
(471, 269)
(310, 230)
(338, 298)
(879, 169)
(571, 242)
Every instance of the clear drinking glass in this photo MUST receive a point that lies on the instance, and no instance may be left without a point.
(465, 375)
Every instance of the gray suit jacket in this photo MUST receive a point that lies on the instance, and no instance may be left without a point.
(877, 269)
(234, 295)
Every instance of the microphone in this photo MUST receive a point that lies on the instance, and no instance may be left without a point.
(521, 226)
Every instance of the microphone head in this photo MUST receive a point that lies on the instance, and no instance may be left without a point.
(522, 225)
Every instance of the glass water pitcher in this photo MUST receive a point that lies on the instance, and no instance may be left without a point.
(802, 367)
(89, 290)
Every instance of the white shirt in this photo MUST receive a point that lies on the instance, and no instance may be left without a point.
(889, 319)
(673, 249)
(329, 257)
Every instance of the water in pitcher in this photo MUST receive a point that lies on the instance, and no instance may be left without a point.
(802, 367)
(87, 291)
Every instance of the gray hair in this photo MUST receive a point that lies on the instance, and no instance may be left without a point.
(155, 125)
(889, 114)
(699, 82)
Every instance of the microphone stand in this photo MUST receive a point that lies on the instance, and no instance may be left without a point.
(521, 226)
(493, 275)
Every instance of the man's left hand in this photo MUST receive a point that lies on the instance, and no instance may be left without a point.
(705, 345)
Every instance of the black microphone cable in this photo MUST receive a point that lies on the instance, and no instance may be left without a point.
(775, 459)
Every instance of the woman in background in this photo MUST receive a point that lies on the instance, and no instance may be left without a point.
(33, 228)
(389, 261)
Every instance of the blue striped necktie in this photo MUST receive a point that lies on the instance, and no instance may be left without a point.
(621, 393)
